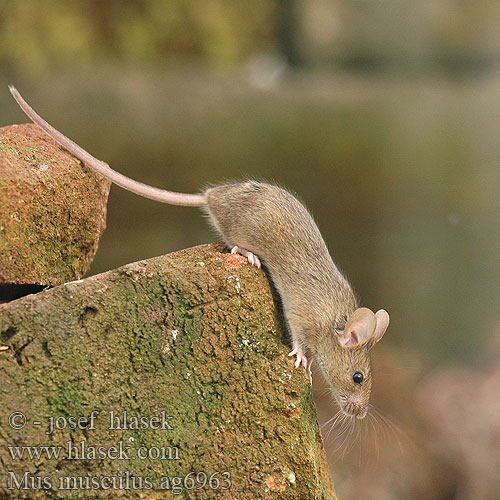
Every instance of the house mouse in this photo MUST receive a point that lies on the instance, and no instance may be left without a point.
(269, 226)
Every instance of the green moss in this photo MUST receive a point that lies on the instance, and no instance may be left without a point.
(67, 400)
(11, 151)
(182, 306)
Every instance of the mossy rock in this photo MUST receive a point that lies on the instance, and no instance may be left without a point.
(52, 210)
(194, 334)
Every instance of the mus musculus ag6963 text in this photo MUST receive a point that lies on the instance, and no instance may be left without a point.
(266, 223)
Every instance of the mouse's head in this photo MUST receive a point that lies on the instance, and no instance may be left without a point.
(349, 371)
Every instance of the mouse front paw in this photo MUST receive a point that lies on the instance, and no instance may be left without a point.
(298, 352)
(252, 258)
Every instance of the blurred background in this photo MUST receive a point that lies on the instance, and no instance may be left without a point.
(384, 117)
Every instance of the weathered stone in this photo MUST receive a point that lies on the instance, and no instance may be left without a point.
(52, 210)
(194, 334)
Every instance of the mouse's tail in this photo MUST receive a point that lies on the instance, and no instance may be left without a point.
(161, 195)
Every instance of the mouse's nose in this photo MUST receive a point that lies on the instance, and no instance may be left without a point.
(356, 407)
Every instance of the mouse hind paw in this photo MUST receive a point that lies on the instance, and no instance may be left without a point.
(251, 257)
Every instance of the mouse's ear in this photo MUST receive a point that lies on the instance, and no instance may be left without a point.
(359, 329)
(382, 317)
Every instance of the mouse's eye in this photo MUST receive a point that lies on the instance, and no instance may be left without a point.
(357, 377)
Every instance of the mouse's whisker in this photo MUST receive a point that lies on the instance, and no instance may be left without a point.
(330, 419)
(344, 424)
(326, 429)
(392, 429)
(347, 442)
(372, 421)
(338, 417)
(381, 425)
(322, 391)
(363, 438)
(372, 436)
(343, 438)
(361, 429)
(387, 420)
(322, 388)
(354, 436)
(342, 429)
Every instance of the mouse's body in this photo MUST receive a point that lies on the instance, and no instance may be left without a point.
(267, 223)
(271, 223)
